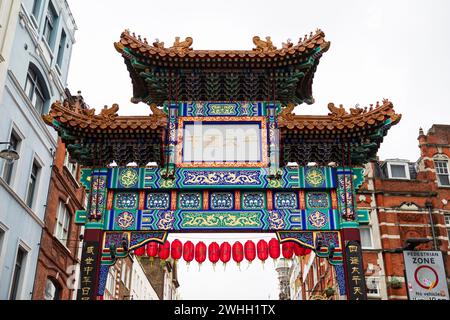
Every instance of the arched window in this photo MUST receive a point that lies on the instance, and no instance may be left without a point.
(52, 290)
(442, 169)
(35, 89)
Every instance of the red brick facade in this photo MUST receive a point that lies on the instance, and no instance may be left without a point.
(400, 209)
(57, 258)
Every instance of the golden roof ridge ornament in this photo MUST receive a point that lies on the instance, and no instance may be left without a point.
(263, 46)
(183, 46)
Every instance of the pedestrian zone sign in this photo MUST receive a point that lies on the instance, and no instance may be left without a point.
(425, 275)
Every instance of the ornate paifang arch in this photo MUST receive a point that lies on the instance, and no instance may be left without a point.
(311, 202)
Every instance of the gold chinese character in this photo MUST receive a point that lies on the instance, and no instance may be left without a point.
(353, 248)
(89, 260)
(88, 270)
(86, 280)
(356, 279)
(90, 250)
(355, 270)
(357, 290)
(85, 291)
(354, 260)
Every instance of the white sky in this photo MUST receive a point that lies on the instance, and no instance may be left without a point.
(379, 49)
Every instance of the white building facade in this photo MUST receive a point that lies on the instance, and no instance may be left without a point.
(141, 289)
(36, 74)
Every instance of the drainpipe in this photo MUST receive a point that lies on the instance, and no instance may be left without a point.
(429, 206)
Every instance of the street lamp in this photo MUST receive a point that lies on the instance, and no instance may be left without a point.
(9, 154)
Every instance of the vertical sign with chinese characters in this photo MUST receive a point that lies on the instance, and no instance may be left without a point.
(88, 271)
(355, 272)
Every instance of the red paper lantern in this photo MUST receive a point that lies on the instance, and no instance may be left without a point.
(188, 252)
(213, 252)
(238, 252)
(152, 249)
(140, 251)
(288, 250)
(200, 252)
(176, 250)
(250, 251)
(274, 249)
(298, 250)
(164, 250)
(262, 250)
(225, 252)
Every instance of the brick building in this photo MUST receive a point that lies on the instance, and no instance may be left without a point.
(403, 200)
(118, 283)
(163, 277)
(58, 255)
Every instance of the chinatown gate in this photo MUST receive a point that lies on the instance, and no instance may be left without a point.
(228, 155)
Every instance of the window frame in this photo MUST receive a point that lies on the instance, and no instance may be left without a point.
(369, 228)
(14, 133)
(398, 163)
(62, 225)
(436, 167)
(51, 18)
(21, 246)
(34, 194)
(57, 293)
(378, 287)
(61, 49)
(35, 88)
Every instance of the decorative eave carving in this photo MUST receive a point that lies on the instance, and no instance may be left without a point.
(339, 118)
(74, 115)
(183, 48)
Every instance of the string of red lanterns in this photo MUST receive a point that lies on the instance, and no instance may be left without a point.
(225, 252)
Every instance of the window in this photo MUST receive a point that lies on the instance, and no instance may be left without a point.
(36, 9)
(2, 236)
(398, 170)
(366, 237)
(32, 182)
(110, 283)
(442, 172)
(9, 166)
(373, 286)
(62, 223)
(50, 21)
(62, 45)
(17, 273)
(52, 291)
(71, 166)
(34, 89)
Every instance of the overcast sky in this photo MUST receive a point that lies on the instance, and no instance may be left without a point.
(379, 49)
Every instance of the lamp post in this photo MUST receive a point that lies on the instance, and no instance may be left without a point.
(9, 154)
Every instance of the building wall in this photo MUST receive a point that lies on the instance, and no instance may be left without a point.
(58, 256)
(20, 224)
(9, 13)
(398, 209)
(162, 276)
(141, 289)
(118, 283)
